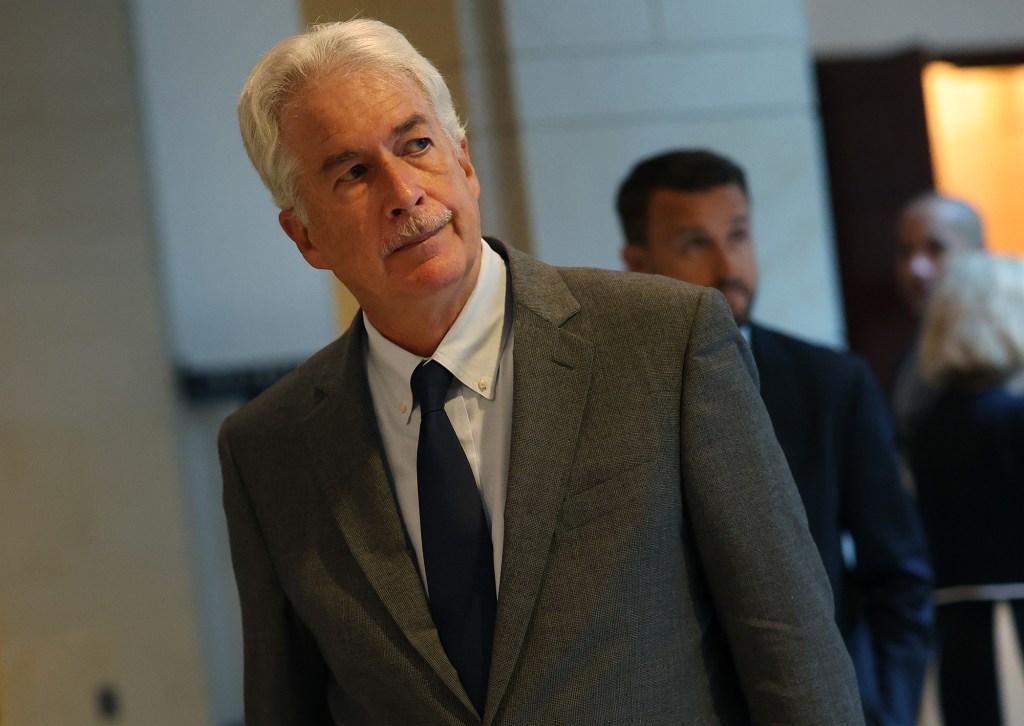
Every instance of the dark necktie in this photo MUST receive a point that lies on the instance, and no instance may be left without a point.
(456, 539)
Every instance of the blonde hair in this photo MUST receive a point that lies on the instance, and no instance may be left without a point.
(358, 46)
(974, 324)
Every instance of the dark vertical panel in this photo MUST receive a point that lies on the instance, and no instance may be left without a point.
(875, 131)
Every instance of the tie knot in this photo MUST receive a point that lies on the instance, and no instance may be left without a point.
(430, 383)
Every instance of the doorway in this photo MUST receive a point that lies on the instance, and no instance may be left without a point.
(896, 125)
(975, 118)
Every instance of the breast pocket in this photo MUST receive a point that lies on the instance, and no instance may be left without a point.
(617, 493)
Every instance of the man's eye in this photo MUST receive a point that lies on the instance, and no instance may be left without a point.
(354, 172)
(417, 145)
(694, 243)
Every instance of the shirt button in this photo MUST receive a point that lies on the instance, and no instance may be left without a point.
(403, 408)
(482, 384)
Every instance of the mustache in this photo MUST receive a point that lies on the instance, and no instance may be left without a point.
(416, 226)
(733, 283)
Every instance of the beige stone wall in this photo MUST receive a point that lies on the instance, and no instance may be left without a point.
(95, 585)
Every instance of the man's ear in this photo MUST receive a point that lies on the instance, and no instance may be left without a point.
(467, 166)
(637, 258)
(297, 230)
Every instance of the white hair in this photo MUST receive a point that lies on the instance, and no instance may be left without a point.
(359, 46)
(974, 323)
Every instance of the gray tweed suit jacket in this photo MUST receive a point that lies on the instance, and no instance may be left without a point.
(657, 567)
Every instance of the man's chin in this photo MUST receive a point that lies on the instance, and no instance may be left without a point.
(740, 307)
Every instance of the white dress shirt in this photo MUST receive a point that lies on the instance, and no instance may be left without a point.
(478, 351)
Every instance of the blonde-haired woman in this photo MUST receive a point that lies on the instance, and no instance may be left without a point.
(967, 456)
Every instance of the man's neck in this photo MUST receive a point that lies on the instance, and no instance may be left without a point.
(421, 326)
(421, 331)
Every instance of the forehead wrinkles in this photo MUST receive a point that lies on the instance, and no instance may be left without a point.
(923, 233)
(341, 88)
(362, 103)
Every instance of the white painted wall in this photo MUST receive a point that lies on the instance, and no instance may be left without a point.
(840, 26)
(237, 292)
(597, 86)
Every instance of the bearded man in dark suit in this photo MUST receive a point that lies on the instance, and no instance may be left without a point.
(686, 214)
(510, 493)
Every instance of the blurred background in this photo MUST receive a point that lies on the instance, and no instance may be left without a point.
(146, 289)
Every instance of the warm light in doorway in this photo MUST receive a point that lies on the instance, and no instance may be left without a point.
(976, 132)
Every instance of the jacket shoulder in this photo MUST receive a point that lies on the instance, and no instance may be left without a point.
(772, 345)
(614, 308)
(294, 395)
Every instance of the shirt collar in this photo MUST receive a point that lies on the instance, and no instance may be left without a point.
(471, 349)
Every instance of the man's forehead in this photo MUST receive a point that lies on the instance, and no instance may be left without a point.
(357, 92)
(693, 207)
(933, 223)
(351, 108)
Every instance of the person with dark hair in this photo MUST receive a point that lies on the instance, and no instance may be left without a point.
(686, 214)
(932, 230)
(468, 509)
(967, 456)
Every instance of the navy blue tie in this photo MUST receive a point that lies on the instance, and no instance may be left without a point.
(457, 550)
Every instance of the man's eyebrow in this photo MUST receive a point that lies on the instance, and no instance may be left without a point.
(335, 159)
(400, 130)
(411, 123)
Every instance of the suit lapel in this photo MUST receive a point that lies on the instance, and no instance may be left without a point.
(776, 374)
(785, 392)
(346, 447)
(552, 373)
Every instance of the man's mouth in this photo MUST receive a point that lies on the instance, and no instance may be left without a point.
(423, 237)
(416, 230)
(734, 286)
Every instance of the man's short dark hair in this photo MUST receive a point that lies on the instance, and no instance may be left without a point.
(683, 171)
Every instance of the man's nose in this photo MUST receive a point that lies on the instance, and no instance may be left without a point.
(403, 188)
(724, 261)
(921, 266)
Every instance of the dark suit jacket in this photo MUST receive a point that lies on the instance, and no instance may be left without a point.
(657, 567)
(967, 456)
(830, 418)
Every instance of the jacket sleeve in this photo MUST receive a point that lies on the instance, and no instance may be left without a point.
(285, 676)
(766, 578)
(891, 579)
